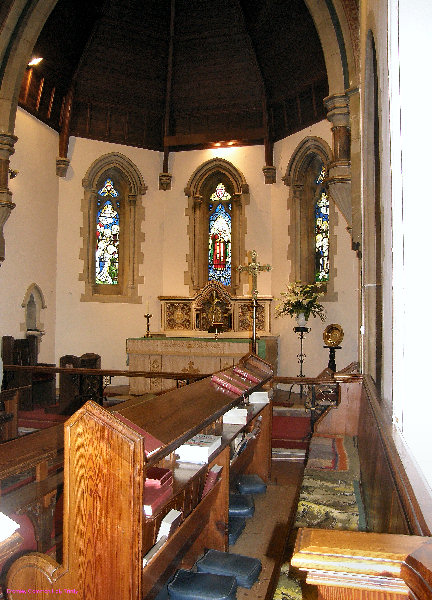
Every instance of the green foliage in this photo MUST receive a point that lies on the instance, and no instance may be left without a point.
(302, 298)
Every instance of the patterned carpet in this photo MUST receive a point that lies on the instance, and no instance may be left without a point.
(330, 497)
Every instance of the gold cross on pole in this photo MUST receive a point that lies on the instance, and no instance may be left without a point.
(253, 268)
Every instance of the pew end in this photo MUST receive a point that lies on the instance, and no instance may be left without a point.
(354, 565)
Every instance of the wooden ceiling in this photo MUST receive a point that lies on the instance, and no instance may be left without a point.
(178, 74)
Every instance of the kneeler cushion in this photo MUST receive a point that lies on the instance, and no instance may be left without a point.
(251, 484)
(244, 568)
(241, 505)
(188, 585)
(235, 527)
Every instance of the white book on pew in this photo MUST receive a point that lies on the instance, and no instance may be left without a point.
(169, 523)
(236, 416)
(153, 550)
(198, 448)
(259, 398)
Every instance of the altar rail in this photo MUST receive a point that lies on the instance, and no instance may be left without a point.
(394, 560)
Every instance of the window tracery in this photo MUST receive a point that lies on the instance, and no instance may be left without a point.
(113, 214)
(217, 193)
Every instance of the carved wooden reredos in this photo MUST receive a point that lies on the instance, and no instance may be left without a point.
(213, 304)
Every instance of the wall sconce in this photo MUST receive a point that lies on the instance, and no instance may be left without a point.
(12, 173)
(35, 61)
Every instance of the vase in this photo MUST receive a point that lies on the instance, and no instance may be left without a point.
(301, 320)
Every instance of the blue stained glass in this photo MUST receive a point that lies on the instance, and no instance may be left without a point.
(107, 238)
(322, 264)
(219, 265)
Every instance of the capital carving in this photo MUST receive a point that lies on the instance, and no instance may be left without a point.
(338, 110)
(62, 165)
(7, 143)
(6, 207)
(269, 174)
(165, 181)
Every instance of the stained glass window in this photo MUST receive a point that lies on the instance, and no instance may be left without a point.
(107, 236)
(219, 241)
(322, 263)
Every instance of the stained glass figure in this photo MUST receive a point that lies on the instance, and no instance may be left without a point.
(107, 236)
(322, 263)
(219, 242)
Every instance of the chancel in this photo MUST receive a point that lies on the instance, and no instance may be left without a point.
(182, 165)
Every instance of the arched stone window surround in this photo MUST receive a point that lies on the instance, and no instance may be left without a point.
(34, 291)
(133, 188)
(198, 191)
(311, 152)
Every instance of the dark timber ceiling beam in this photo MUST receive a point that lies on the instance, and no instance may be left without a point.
(165, 176)
(269, 169)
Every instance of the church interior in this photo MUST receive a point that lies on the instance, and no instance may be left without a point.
(172, 174)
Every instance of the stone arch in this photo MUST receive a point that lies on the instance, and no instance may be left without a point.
(136, 184)
(337, 24)
(195, 276)
(301, 157)
(133, 215)
(311, 152)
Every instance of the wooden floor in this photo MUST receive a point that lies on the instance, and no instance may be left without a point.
(265, 535)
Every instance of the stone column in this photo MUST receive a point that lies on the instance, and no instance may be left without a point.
(7, 142)
(339, 175)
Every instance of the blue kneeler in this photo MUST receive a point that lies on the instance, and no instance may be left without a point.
(188, 585)
(235, 527)
(241, 505)
(244, 568)
(251, 484)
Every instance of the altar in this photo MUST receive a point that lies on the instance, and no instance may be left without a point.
(200, 354)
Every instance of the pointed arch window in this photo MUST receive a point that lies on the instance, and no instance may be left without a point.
(312, 238)
(107, 235)
(113, 214)
(218, 193)
(322, 230)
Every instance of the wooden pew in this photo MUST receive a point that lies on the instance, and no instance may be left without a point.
(105, 533)
(10, 399)
(394, 560)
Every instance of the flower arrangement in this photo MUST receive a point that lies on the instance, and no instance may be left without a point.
(302, 298)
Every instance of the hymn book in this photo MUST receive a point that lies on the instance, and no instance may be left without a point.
(151, 444)
(213, 475)
(199, 448)
(154, 498)
(153, 550)
(169, 523)
(237, 416)
(158, 477)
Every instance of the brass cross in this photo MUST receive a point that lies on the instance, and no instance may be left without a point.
(253, 269)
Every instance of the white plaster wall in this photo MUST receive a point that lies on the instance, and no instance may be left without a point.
(31, 231)
(104, 327)
(345, 310)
